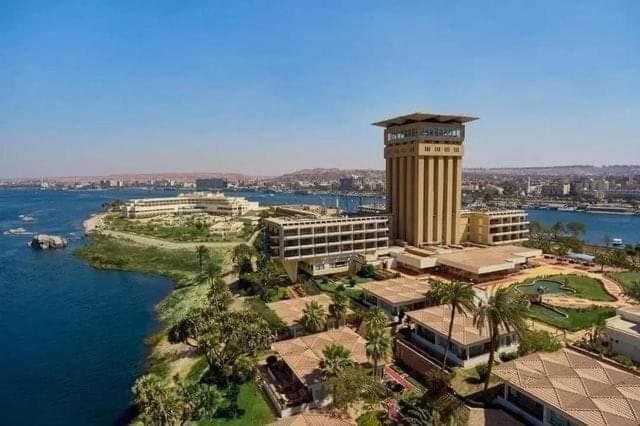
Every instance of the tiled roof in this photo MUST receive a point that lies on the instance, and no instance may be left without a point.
(584, 388)
(307, 419)
(304, 355)
(398, 290)
(437, 318)
(291, 311)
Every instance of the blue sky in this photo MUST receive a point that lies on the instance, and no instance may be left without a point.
(265, 87)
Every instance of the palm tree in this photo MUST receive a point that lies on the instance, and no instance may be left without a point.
(314, 317)
(378, 347)
(505, 309)
(241, 253)
(202, 252)
(596, 335)
(340, 307)
(337, 358)
(460, 297)
(376, 318)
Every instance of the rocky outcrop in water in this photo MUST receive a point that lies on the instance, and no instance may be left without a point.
(45, 242)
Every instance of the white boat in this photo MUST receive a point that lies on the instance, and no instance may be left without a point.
(617, 242)
(567, 209)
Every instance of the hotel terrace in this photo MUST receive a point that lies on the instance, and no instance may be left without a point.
(326, 245)
(396, 295)
(291, 311)
(199, 202)
(569, 388)
(469, 346)
(294, 379)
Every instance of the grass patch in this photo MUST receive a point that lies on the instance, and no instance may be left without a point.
(467, 381)
(354, 292)
(256, 305)
(585, 287)
(253, 409)
(577, 319)
(370, 418)
(192, 231)
(197, 370)
(625, 278)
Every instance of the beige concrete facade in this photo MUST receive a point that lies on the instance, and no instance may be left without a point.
(496, 227)
(325, 245)
(209, 202)
(423, 154)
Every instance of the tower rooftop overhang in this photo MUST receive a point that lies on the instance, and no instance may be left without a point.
(424, 117)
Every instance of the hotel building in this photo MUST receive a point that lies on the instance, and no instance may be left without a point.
(423, 154)
(497, 227)
(324, 245)
(205, 202)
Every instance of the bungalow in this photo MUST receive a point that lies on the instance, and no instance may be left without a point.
(293, 379)
(291, 311)
(569, 388)
(396, 295)
(623, 331)
(469, 346)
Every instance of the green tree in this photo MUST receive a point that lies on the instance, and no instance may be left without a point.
(337, 358)
(602, 258)
(219, 296)
(340, 306)
(557, 229)
(158, 403)
(378, 347)
(505, 309)
(241, 258)
(460, 297)
(270, 276)
(314, 318)
(353, 385)
(576, 228)
(367, 271)
(202, 252)
(538, 341)
(199, 401)
(376, 318)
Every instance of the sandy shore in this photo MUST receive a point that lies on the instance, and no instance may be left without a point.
(94, 222)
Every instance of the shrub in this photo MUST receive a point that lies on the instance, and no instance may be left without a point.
(482, 370)
(623, 359)
(538, 341)
(508, 356)
(340, 288)
(367, 271)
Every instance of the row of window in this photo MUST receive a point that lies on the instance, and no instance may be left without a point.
(440, 132)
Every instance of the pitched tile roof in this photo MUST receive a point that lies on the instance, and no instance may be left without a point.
(304, 355)
(307, 419)
(437, 318)
(584, 388)
(290, 311)
(398, 290)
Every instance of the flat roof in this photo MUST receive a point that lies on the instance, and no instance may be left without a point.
(304, 355)
(485, 260)
(309, 419)
(398, 291)
(586, 389)
(424, 117)
(438, 318)
(290, 311)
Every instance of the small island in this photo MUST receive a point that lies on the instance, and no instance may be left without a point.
(46, 242)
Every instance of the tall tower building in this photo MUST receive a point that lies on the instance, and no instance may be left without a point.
(423, 155)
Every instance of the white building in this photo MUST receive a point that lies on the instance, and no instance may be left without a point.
(206, 202)
(623, 331)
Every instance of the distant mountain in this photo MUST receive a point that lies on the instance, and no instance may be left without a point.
(577, 170)
(332, 173)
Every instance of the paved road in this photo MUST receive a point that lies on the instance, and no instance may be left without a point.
(156, 242)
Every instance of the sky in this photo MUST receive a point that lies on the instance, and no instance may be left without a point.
(266, 87)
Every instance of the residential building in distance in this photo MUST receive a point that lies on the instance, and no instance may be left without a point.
(423, 155)
(623, 332)
(496, 227)
(210, 184)
(204, 202)
(326, 245)
(469, 346)
(569, 388)
(556, 189)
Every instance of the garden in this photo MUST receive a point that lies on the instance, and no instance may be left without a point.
(574, 285)
(570, 319)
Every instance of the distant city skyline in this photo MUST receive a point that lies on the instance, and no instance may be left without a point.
(93, 88)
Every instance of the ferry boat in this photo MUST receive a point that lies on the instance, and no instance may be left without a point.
(616, 242)
(567, 209)
(610, 209)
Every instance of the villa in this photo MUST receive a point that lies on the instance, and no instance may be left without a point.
(469, 346)
(294, 380)
(396, 295)
(291, 312)
(569, 388)
(623, 332)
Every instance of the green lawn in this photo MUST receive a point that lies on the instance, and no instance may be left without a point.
(256, 305)
(585, 287)
(577, 319)
(253, 409)
(188, 231)
(625, 278)
(354, 292)
(467, 381)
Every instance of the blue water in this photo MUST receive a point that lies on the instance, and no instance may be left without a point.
(71, 337)
(598, 225)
